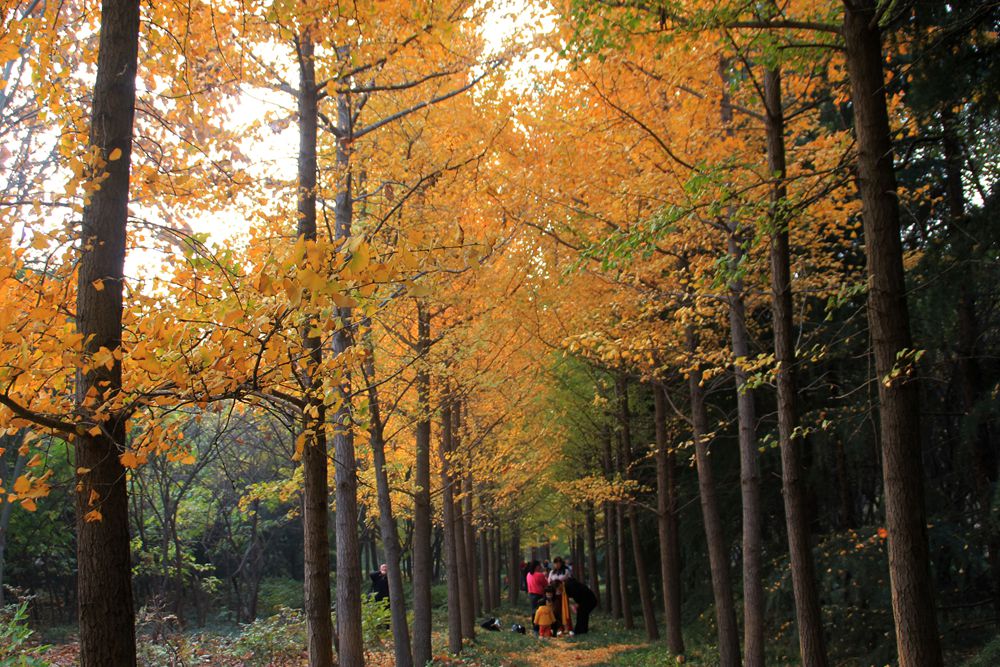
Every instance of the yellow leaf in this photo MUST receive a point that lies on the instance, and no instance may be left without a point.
(98, 285)
(22, 484)
(188, 460)
(116, 154)
(82, 471)
(360, 258)
(294, 293)
(93, 515)
(129, 460)
(29, 504)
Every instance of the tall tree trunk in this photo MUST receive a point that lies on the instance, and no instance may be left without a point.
(469, 542)
(315, 492)
(104, 577)
(387, 523)
(970, 375)
(350, 648)
(622, 567)
(611, 536)
(753, 585)
(591, 526)
(451, 545)
(666, 507)
(718, 561)
(482, 541)
(470, 583)
(422, 525)
(6, 506)
(917, 638)
(497, 560)
(807, 609)
(467, 609)
(514, 565)
(645, 594)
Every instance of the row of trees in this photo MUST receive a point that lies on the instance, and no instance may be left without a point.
(474, 300)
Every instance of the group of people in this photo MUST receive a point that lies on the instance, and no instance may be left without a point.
(555, 597)
(550, 590)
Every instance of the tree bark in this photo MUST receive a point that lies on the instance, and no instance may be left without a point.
(387, 525)
(350, 647)
(970, 375)
(642, 577)
(627, 616)
(470, 583)
(666, 506)
(451, 538)
(514, 566)
(753, 586)
(917, 639)
(612, 563)
(422, 526)
(591, 527)
(315, 491)
(5, 509)
(807, 609)
(104, 579)
(486, 562)
(722, 587)
(467, 613)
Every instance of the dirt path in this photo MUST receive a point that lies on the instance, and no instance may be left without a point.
(559, 652)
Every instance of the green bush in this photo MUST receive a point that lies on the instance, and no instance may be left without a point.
(375, 621)
(15, 634)
(272, 639)
(277, 592)
(988, 657)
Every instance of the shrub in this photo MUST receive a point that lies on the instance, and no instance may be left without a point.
(278, 592)
(272, 639)
(15, 651)
(375, 620)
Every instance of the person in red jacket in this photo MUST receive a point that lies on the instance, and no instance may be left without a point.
(537, 582)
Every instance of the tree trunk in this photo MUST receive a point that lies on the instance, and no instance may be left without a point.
(645, 594)
(591, 526)
(451, 542)
(5, 509)
(497, 560)
(718, 560)
(753, 586)
(469, 542)
(315, 492)
(917, 638)
(611, 560)
(486, 568)
(970, 375)
(422, 526)
(104, 579)
(350, 648)
(467, 610)
(387, 524)
(514, 566)
(622, 567)
(666, 506)
(468, 588)
(807, 609)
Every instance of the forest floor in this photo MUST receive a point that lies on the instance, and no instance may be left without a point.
(608, 644)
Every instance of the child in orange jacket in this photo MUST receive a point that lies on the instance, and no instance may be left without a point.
(545, 617)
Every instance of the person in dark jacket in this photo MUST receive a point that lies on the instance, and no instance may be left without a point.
(380, 582)
(585, 600)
